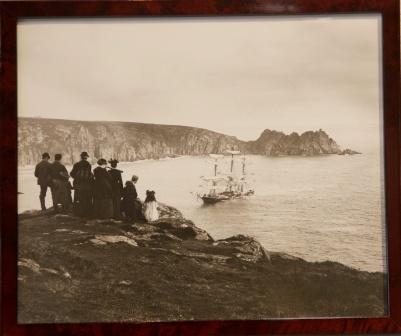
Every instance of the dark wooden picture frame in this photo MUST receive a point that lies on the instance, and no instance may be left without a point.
(11, 12)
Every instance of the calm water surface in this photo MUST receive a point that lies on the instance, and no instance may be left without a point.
(317, 208)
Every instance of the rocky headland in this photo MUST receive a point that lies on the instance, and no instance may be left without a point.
(129, 141)
(71, 270)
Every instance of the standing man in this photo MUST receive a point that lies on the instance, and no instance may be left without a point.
(43, 174)
(117, 188)
(60, 187)
(83, 179)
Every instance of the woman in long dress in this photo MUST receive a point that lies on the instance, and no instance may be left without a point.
(150, 207)
(117, 187)
(103, 202)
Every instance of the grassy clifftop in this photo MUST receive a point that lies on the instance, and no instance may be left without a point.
(76, 271)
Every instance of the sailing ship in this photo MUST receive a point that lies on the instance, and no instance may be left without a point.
(223, 187)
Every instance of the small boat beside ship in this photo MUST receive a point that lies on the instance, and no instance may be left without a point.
(225, 186)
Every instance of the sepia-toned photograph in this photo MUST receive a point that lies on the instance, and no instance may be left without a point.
(179, 169)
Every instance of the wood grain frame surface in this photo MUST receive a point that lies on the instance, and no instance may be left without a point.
(11, 12)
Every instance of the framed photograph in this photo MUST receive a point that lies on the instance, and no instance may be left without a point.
(213, 167)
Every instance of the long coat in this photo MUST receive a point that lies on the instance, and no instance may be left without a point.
(117, 189)
(116, 181)
(58, 171)
(82, 173)
(83, 181)
(60, 186)
(103, 183)
(131, 205)
(43, 173)
(102, 192)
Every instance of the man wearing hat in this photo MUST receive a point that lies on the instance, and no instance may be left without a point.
(43, 174)
(83, 178)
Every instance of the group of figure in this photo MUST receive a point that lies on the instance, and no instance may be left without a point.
(97, 194)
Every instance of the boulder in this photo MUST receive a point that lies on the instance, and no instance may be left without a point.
(247, 248)
(166, 211)
(172, 222)
(182, 228)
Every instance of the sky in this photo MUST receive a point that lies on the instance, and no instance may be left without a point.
(237, 76)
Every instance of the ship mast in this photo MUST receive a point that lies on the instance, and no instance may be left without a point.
(232, 152)
(216, 158)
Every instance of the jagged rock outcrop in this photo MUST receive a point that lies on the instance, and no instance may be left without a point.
(136, 141)
(247, 248)
(273, 143)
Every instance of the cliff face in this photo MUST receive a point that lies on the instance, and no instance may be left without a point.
(136, 141)
(125, 141)
(71, 270)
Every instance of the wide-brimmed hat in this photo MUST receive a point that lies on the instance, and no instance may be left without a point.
(101, 162)
(84, 154)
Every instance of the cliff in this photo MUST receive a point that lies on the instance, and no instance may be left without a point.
(123, 140)
(273, 143)
(70, 270)
(129, 141)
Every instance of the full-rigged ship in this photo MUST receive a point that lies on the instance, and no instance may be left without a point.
(223, 187)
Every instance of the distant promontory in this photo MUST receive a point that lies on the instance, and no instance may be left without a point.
(131, 141)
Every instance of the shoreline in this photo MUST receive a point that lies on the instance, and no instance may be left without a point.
(176, 156)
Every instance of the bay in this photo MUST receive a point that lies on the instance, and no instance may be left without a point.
(317, 208)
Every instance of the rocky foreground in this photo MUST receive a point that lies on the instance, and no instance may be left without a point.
(76, 271)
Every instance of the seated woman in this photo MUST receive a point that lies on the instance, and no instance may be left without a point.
(150, 207)
(131, 204)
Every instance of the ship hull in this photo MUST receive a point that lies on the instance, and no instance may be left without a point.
(212, 200)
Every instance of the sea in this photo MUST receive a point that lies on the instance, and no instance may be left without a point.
(316, 208)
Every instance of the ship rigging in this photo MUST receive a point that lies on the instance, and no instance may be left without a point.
(224, 187)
